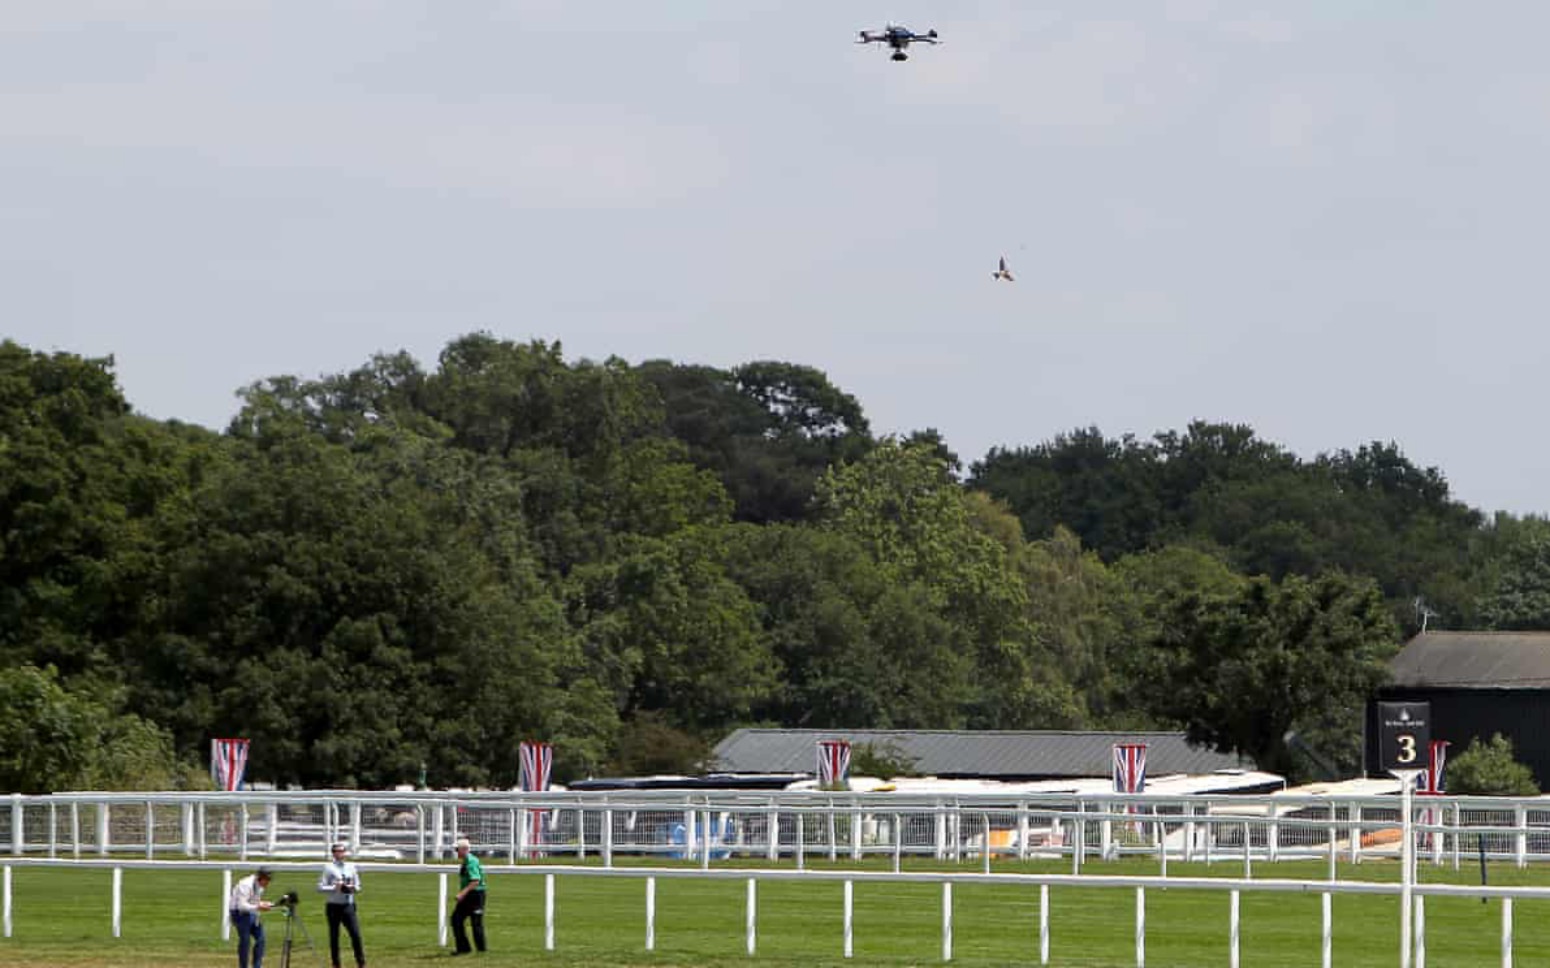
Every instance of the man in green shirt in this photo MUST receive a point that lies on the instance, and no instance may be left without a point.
(470, 899)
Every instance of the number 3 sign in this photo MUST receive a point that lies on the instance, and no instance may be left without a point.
(1404, 735)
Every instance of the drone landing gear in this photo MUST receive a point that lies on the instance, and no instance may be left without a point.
(900, 55)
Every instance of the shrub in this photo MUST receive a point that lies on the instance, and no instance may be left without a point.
(1489, 769)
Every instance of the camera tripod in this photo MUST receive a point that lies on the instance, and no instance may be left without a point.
(292, 922)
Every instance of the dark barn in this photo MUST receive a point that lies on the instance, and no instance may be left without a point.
(1478, 684)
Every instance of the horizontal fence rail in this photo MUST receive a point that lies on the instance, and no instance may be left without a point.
(787, 826)
(1045, 884)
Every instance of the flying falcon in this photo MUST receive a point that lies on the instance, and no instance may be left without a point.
(1003, 272)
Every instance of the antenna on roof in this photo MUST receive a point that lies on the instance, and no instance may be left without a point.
(1423, 612)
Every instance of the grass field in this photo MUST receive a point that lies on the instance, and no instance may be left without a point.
(62, 917)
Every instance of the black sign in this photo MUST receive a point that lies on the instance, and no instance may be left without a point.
(1404, 735)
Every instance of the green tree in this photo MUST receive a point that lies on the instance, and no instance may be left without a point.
(767, 429)
(1518, 596)
(1490, 769)
(902, 506)
(1103, 490)
(884, 760)
(1240, 669)
(53, 739)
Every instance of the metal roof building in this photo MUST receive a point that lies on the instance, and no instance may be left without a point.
(1473, 660)
(989, 754)
(1478, 684)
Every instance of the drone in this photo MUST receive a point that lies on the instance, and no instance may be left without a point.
(898, 37)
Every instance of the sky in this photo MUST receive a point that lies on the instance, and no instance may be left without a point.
(1323, 219)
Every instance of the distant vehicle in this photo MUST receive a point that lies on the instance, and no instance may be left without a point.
(898, 37)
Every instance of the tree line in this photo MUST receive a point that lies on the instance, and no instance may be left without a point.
(401, 570)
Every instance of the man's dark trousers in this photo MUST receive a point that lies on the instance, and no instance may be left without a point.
(250, 934)
(344, 914)
(470, 908)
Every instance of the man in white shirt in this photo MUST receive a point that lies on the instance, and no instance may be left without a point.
(342, 882)
(245, 903)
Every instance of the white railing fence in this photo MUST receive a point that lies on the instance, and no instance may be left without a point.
(1045, 883)
(793, 827)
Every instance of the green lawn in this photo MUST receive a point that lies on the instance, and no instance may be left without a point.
(63, 917)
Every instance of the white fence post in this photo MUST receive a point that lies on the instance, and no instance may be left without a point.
(941, 829)
(849, 918)
(511, 840)
(1248, 853)
(1520, 820)
(5, 907)
(1106, 846)
(1420, 931)
(750, 916)
(75, 830)
(898, 842)
(1043, 924)
(774, 823)
(1506, 932)
(1334, 862)
(150, 831)
(18, 841)
(1327, 942)
(833, 847)
(548, 912)
(801, 819)
(102, 829)
(651, 914)
(1022, 830)
(1356, 833)
(441, 911)
(985, 847)
(608, 838)
(947, 920)
(1189, 833)
(189, 814)
(1140, 927)
(855, 835)
(1232, 930)
(118, 901)
(438, 829)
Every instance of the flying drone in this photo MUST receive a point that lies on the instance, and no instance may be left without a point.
(898, 37)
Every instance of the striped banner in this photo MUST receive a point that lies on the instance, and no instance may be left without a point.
(833, 763)
(228, 761)
(535, 761)
(1130, 772)
(1129, 767)
(1429, 784)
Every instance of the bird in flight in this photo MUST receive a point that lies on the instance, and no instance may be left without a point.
(1003, 272)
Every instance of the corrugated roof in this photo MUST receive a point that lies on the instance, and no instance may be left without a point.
(988, 753)
(1474, 660)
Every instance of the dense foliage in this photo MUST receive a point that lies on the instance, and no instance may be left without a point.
(397, 569)
(1489, 769)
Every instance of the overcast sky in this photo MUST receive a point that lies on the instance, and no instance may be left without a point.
(1326, 220)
